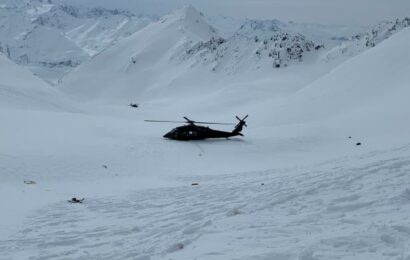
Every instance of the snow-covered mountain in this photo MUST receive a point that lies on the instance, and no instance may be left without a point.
(156, 58)
(295, 187)
(92, 29)
(253, 44)
(137, 61)
(329, 35)
(364, 41)
(320, 173)
(363, 91)
(51, 39)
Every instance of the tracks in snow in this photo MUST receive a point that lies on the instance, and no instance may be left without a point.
(353, 209)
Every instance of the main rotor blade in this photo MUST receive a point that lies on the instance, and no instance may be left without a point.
(163, 121)
(212, 123)
(190, 121)
(206, 123)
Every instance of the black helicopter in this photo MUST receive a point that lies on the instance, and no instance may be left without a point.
(192, 131)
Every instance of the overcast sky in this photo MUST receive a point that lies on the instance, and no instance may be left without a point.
(345, 12)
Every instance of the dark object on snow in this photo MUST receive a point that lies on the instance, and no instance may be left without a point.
(29, 182)
(358, 144)
(75, 200)
(192, 131)
(195, 184)
(263, 184)
(133, 105)
(350, 137)
(105, 166)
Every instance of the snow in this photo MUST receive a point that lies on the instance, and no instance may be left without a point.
(297, 186)
(340, 93)
(20, 89)
(27, 28)
(38, 10)
(363, 41)
(183, 47)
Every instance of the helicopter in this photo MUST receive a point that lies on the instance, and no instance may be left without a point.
(193, 131)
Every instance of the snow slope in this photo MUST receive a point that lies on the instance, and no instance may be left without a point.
(20, 89)
(368, 89)
(295, 187)
(51, 39)
(92, 29)
(366, 40)
(136, 62)
(356, 208)
(181, 56)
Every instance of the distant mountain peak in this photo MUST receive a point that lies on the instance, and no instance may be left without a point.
(192, 22)
(190, 10)
(187, 12)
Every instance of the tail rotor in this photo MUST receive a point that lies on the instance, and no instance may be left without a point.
(240, 125)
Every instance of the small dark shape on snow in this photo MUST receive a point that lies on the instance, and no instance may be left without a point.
(263, 184)
(195, 184)
(358, 144)
(29, 182)
(133, 105)
(234, 212)
(105, 166)
(350, 137)
(75, 200)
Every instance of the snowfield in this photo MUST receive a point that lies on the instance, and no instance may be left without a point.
(321, 173)
(354, 208)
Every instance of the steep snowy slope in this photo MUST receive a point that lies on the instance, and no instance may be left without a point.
(376, 77)
(139, 61)
(20, 89)
(254, 45)
(364, 41)
(181, 55)
(365, 97)
(329, 35)
(51, 39)
(45, 51)
(92, 29)
(54, 54)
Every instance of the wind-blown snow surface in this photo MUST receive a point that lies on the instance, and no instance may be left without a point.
(295, 187)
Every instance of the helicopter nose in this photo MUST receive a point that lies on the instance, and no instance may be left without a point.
(168, 135)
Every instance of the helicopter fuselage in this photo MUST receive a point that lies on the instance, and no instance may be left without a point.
(195, 132)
